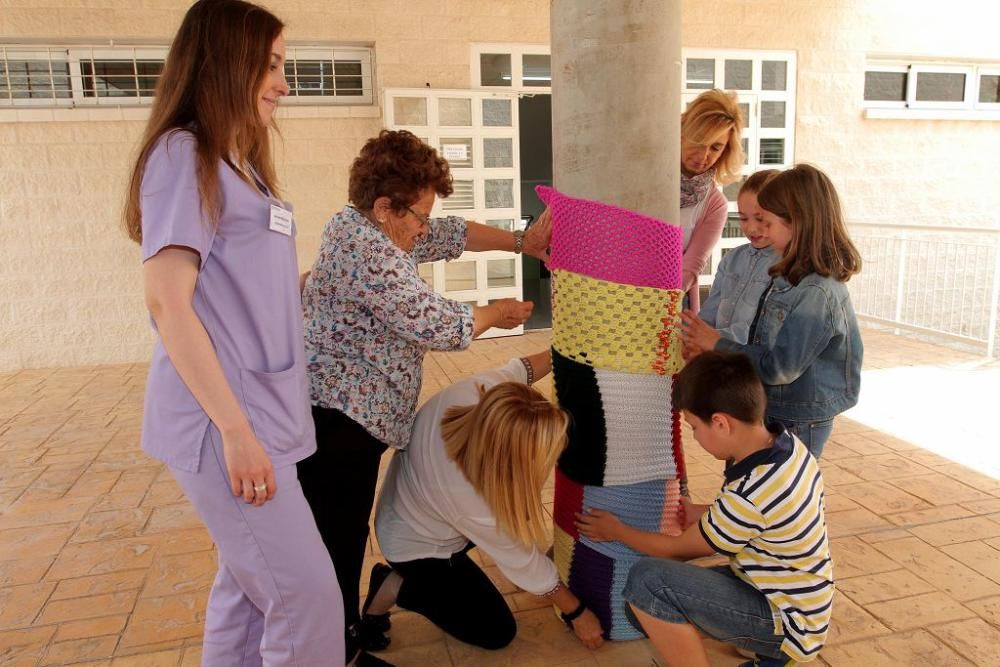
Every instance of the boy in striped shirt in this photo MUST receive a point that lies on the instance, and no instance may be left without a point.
(775, 596)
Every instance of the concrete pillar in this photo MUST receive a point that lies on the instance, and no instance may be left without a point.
(616, 139)
(616, 82)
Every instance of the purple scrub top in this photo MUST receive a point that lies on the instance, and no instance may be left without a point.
(247, 297)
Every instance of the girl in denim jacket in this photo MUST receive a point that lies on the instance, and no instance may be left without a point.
(804, 340)
(742, 275)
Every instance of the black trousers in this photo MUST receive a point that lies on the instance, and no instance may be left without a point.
(458, 597)
(339, 483)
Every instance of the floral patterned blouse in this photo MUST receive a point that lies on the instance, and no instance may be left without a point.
(370, 317)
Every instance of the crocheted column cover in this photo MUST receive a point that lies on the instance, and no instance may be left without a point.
(616, 347)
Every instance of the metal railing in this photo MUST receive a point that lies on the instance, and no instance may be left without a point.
(941, 282)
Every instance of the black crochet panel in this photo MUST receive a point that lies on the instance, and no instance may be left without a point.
(585, 455)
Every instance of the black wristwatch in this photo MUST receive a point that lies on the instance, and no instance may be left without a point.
(573, 615)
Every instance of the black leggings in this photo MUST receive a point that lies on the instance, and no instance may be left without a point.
(458, 597)
(339, 483)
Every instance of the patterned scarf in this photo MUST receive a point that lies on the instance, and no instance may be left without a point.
(694, 188)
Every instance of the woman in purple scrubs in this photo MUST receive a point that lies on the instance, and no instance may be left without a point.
(227, 403)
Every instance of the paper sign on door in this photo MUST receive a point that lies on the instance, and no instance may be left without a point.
(456, 152)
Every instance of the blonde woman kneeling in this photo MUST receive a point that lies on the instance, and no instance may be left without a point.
(472, 477)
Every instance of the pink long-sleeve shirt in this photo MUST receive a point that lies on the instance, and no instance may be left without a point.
(705, 233)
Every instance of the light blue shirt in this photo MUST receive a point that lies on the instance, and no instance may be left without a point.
(739, 283)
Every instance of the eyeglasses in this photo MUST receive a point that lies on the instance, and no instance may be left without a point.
(424, 219)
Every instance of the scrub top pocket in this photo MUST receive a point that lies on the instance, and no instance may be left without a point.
(277, 405)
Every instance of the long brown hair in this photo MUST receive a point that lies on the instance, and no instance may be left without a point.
(216, 64)
(506, 446)
(710, 112)
(805, 198)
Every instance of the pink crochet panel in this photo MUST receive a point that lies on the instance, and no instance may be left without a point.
(611, 243)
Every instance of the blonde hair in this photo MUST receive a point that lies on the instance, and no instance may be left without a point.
(805, 198)
(215, 66)
(709, 113)
(506, 446)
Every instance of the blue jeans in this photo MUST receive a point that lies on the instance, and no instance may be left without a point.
(812, 434)
(712, 599)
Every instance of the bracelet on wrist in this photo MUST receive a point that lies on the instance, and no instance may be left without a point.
(518, 241)
(530, 369)
(555, 589)
(573, 615)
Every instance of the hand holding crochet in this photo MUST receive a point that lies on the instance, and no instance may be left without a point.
(689, 351)
(599, 525)
(539, 236)
(512, 313)
(698, 335)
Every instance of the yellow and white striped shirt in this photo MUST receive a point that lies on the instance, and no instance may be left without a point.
(769, 520)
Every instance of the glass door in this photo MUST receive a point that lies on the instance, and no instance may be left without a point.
(476, 132)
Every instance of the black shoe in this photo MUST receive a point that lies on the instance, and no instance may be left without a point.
(369, 637)
(376, 622)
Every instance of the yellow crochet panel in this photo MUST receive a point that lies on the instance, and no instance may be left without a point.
(562, 552)
(615, 326)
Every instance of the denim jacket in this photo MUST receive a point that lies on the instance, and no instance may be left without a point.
(807, 349)
(739, 281)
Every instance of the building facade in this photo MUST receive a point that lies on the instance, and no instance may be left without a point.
(897, 101)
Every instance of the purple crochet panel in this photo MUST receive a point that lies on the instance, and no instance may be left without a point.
(612, 243)
(591, 577)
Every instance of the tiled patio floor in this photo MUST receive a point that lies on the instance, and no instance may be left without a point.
(103, 562)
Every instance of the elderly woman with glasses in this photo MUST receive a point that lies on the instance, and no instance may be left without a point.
(369, 320)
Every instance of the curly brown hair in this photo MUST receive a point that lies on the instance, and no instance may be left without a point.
(398, 165)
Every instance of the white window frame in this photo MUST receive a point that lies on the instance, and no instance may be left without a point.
(78, 55)
(517, 53)
(893, 68)
(981, 72)
(434, 133)
(971, 85)
(700, 54)
(365, 55)
(970, 108)
(74, 54)
(11, 53)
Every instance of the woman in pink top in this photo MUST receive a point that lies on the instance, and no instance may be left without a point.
(711, 155)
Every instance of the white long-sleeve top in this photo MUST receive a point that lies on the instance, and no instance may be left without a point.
(428, 509)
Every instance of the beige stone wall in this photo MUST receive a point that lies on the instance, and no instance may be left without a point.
(71, 284)
(887, 171)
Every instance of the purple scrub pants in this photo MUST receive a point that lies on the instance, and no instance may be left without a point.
(275, 600)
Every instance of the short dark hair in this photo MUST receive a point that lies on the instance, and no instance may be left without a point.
(398, 165)
(720, 382)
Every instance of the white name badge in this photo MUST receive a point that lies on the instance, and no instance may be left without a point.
(281, 220)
